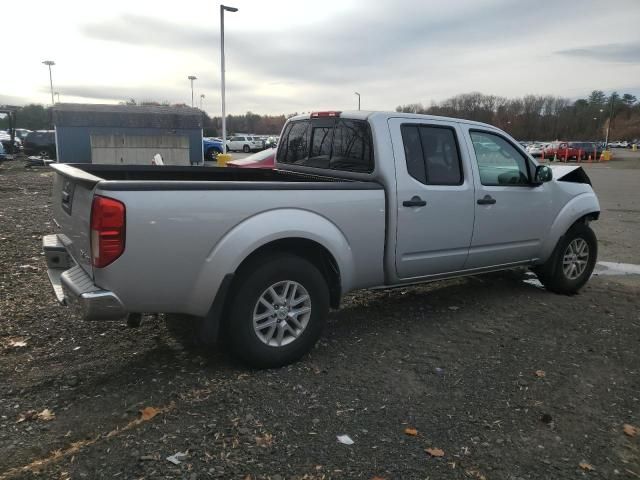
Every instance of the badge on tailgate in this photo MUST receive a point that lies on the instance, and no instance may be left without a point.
(68, 187)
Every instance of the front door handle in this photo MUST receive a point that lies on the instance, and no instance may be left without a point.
(415, 201)
(486, 200)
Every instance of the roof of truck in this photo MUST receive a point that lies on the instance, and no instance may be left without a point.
(373, 114)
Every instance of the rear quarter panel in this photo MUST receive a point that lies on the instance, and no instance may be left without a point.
(181, 244)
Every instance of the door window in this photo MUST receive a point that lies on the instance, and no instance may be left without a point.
(432, 154)
(499, 162)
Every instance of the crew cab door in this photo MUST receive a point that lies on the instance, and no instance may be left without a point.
(513, 215)
(434, 197)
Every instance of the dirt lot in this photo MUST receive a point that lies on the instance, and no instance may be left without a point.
(456, 361)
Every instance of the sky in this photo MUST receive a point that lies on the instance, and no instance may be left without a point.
(285, 56)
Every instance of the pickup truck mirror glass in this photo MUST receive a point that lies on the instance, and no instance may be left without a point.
(543, 174)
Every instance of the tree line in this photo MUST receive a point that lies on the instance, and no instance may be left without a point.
(531, 117)
(538, 117)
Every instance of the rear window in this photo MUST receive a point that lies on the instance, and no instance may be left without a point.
(336, 144)
(431, 154)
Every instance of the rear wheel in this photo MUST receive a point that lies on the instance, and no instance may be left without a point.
(278, 311)
(246, 149)
(572, 261)
(212, 154)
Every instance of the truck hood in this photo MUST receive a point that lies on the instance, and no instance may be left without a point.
(569, 173)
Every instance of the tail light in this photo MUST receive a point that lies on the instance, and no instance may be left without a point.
(107, 230)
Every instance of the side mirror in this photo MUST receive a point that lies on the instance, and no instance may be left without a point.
(543, 174)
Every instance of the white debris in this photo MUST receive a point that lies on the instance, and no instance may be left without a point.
(177, 457)
(345, 439)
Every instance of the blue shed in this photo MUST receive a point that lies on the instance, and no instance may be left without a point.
(127, 134)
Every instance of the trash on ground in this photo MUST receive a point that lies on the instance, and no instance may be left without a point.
(630, 430)
(587, 467)
(177, 457)
(265, 441)
(45, 415)
(345, 439)
(411, 431)
(616, 268)
(540, 373)
(17, 343)
(435, 452)
(148, 413)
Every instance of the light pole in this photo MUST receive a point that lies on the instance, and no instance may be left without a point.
(49, 63)
(224, 113)
(57, 94)
(606, 140)
(201, 99)
(192, 78)
(358, 99)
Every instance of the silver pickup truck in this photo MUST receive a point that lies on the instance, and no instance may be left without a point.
(357, 200)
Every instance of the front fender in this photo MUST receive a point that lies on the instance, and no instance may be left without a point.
(576, 208)
(263, 228)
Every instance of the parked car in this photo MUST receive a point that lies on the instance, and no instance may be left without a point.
(5, 140)
(271, 142)
(535, 149)
(245, 144)
(358, 200)
(3, 155)
(21, 133)
(211, 147)
(263, 159)
(41, 143)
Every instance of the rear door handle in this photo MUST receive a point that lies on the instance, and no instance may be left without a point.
(486, 200)
(415, 201)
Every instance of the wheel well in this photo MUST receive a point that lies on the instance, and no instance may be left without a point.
(309, 250)
(585, 219)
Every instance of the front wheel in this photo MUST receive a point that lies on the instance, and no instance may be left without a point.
(246, 149)
(278, 311)
(572, 262)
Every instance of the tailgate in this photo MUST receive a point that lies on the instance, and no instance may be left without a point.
(72, 198)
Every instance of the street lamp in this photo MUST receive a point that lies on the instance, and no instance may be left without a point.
(224, 114)
(201, 99)
(358, 99)
(49, 63)
(192, 78)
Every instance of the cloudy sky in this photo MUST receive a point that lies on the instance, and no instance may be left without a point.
(285, 56)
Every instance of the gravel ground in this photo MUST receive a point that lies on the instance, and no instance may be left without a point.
(507, 380)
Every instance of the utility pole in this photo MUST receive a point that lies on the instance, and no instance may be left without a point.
(201, 99)
(49, 63)
(224, 108)
(606, 140)
(192, 78)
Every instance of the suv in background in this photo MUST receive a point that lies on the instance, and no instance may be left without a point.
(246, 144)
(41, 143)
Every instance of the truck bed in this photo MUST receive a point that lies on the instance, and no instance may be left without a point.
(152, 177)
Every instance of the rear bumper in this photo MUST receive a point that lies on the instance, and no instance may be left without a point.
(73, 287)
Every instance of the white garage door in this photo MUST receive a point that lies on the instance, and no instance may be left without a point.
(139, 149)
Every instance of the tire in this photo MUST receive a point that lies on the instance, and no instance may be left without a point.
(562, 272)
(212, 154)
(258, 346)
(246, 149)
